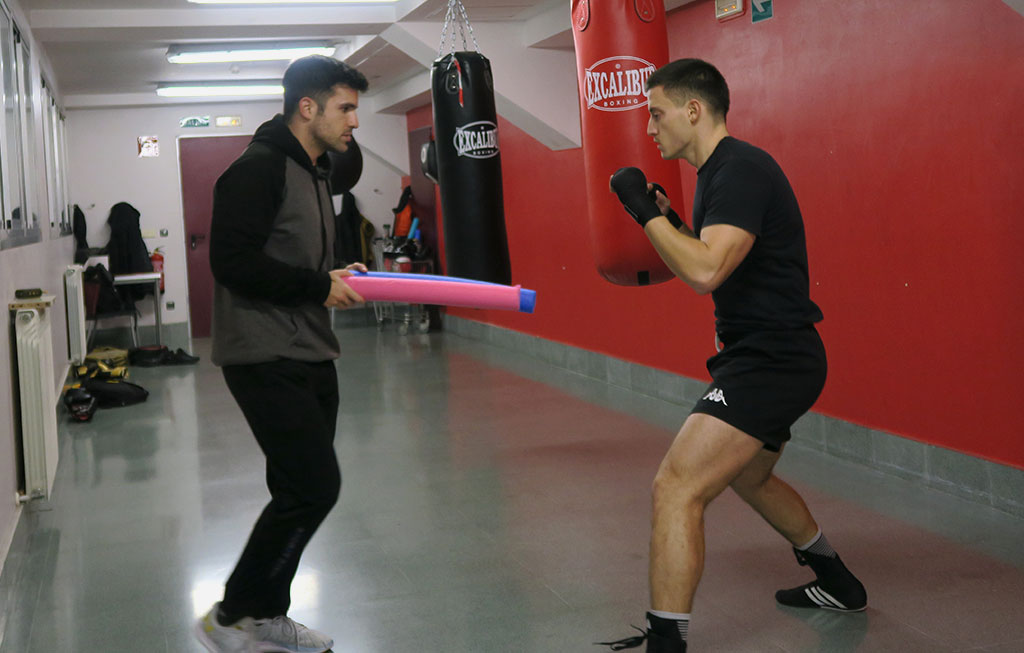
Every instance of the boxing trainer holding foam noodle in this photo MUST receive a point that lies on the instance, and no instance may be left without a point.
(272, 337)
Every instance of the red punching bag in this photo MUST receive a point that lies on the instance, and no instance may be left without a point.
(619, 43)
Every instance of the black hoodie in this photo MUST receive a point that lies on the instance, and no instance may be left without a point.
(271, 247)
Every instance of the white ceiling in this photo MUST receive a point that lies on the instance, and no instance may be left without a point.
(112, 47)
(29, 5)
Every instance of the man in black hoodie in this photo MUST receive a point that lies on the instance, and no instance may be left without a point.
(271, 252)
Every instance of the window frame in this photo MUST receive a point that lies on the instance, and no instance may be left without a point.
(56, 196)
(12, 146)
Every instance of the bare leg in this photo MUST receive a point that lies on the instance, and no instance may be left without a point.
(835, 587)
(774, 499)
(703, 460)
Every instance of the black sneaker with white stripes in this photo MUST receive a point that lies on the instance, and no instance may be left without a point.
(655, 643)
(834, 589)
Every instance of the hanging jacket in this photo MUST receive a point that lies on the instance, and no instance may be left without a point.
(403, 214)
(126, 249)
(351, 244)
(366, 232)
(271, 247)
(79, 228)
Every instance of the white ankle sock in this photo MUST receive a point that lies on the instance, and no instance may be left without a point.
(818, 545)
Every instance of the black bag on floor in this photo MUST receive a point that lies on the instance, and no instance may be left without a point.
(115, 393)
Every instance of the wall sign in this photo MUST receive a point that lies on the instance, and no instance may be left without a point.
(761, 10)
(728, 9)
(149, 146)
(195, 121)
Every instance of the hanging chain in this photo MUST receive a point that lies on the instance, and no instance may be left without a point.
(456, 16)
(465, 20)
(444, 30)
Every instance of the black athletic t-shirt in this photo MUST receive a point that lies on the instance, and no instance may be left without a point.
(743, 186)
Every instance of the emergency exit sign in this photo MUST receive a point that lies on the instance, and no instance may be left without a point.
(761, 10)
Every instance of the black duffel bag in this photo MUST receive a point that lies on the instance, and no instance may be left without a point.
(114, 393)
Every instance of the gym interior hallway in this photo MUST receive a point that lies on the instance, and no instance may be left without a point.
(491, 503)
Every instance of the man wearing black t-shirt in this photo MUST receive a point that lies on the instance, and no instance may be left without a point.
(747, 248)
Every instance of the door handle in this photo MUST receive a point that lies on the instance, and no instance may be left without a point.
(195, 239)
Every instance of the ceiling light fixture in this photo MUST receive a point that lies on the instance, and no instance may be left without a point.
(250, 52)
(290, 2)
(220, 89)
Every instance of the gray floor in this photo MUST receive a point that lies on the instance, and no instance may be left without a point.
(491, 503)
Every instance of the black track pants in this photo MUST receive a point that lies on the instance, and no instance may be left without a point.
(292, 408)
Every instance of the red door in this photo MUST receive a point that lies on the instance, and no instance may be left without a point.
(202, 162)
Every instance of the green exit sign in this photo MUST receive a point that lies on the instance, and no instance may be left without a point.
(761, 10)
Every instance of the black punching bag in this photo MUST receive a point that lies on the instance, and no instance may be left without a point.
(346, 168)
(469, 168)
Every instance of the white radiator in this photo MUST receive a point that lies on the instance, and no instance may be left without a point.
(74, 298)
(38, 402)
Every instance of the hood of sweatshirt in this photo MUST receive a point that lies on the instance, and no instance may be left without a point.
(275, 132)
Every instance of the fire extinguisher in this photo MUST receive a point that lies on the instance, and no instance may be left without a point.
(157, 258)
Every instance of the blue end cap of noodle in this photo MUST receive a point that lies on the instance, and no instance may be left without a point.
(527, 300)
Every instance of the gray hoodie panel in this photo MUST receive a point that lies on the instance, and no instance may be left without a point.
(248, 330)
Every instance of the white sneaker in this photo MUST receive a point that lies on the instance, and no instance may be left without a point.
(236, 638)
(287, 636)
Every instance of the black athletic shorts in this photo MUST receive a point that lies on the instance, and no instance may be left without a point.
(764, 381)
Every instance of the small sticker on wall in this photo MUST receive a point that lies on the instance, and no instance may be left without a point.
(229, 121)
(761, 10)
(148, 147)
(194, 121)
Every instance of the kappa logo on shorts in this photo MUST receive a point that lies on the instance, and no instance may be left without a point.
(716, 395)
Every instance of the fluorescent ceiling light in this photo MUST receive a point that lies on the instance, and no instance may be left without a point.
(220, 90)
(228, 54)
(290, 2)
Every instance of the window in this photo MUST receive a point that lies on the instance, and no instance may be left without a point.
(53, 153)
(28, 132)
(19, 147)
(62, 169)
(19, 224)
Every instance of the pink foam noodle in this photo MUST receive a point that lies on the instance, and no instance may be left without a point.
(440, 291)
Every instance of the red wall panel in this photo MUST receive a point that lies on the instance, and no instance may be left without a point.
(901, 133)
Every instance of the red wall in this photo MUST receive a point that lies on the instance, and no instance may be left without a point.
(902, 134)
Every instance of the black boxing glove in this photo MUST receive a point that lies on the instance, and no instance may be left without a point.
(630, 185)
(672, 216)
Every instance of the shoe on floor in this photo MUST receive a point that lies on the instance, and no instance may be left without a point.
(180, 357)
(813, 595)
(284, 635)
(235, 638)
(835, 588)
(655, 643)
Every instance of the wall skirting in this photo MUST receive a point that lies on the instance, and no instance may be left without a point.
(975, 479)
(177, 335)
(174, 335)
